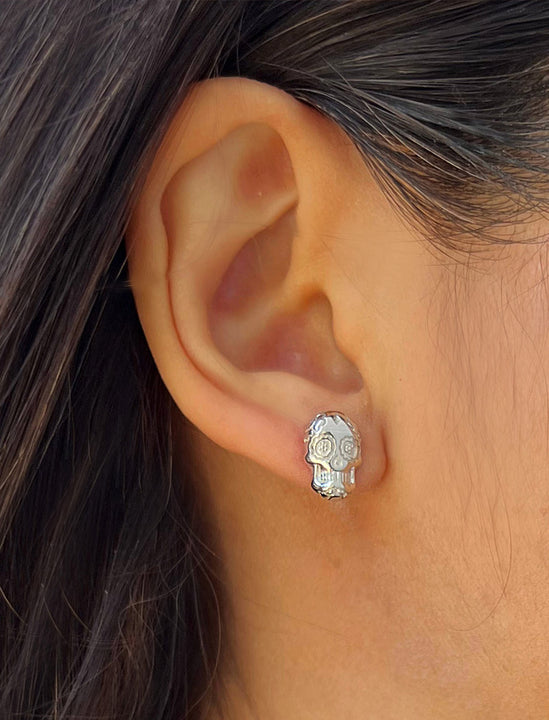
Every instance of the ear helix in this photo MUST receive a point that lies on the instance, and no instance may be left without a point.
(334, 452)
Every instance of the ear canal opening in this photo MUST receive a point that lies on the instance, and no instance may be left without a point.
(264, 337)
(303, 344)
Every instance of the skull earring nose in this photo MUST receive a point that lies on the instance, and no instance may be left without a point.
(333, 451)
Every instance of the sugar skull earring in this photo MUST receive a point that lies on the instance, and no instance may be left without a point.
(333, 450)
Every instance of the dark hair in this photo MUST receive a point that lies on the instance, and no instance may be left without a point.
(112, 598)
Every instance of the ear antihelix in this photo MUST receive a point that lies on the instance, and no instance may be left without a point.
(219, 200)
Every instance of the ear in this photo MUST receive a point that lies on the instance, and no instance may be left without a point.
(233, 274)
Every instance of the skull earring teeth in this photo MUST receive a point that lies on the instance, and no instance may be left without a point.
(333, 451)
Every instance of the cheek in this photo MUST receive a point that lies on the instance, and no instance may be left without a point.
(468, 502)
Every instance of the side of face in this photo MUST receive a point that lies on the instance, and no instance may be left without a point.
(266, 295)
(467, 502)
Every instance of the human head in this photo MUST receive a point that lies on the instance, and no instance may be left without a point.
(411, 143)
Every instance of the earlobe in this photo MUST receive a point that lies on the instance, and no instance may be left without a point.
(233, 310)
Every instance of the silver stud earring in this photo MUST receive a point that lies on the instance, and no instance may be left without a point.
(333, 450)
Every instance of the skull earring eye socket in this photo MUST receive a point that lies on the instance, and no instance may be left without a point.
(348, 448)
(324, 446)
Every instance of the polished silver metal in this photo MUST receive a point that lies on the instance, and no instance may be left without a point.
(333, 450)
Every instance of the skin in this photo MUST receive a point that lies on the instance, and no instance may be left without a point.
(274, 280)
